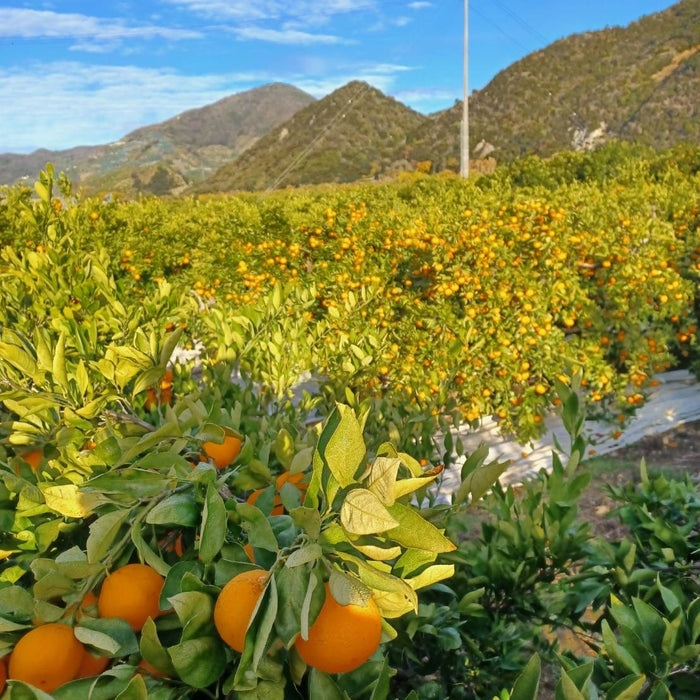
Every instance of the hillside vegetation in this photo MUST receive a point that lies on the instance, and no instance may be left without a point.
(355, 132)
(165, 157)
(638, 83)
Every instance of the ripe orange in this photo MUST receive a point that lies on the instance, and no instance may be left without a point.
(223, 454)
(166, 391)
(235, 605)
(33, 458)
(131, 593)
(277, 508)
(46, 657)
(295, 479)
(343, 637)
(91, 665)
(248, 549)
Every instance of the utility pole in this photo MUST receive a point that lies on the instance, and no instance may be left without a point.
(464, 166)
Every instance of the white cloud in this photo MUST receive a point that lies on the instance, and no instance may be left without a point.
(286, 36)
(311, 11)
(65, 104)
(86, 31)
(61, 105)
(420, 5)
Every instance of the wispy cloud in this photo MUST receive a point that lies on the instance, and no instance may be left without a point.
(311, 10)
(65, 104)
(420, 5)
(87, 32)
(60, 105)
(286, 36)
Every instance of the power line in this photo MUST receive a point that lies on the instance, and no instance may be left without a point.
(353, 101)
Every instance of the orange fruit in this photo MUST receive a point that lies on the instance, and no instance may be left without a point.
(343, 637)
(295, 479)
(131, 593)
(91, 665)
(46, 657)
(33, 458)
(223, 454)
(248, 549)
(166, 391)
(277, 508)
(235, 605)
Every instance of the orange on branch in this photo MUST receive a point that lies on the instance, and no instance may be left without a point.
(91, 665)
(33, 458)
(235, 605)
(46, 657)
(131, 593)
(223, 453)
(342, 637)
(277, 508)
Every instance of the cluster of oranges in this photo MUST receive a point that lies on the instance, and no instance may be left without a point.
(341, 638)
(49, 655)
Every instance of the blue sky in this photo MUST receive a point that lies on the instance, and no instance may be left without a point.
(74, 72)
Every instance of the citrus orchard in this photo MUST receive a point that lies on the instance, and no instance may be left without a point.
(235, 605)
(46, 657)
(131, 593)
(342, 637)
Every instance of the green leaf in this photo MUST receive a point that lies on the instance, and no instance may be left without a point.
(382, 477)
(136, 690)
(566, 689)
(178, 509)
(651, 624)
(199, 662)
(256, 524)
(138, 483)
(308, 553)
(344, 449)
(195, 611)
(382, 685)
(621, 658)
(362, 513)
(431, 575)
(308, 520)
(103, 532)
(415, 532)
(478, 482)
(528, 682)
(321, 685)
(627, 688)
(291, 588)
(59, 363)
(153, 651)
(284, 448)
(16, 602)
(111, 635)
(214, 525)
(146, 553)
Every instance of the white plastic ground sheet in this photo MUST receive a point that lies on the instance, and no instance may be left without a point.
(676, 400)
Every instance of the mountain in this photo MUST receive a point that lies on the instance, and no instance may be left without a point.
(165, 157)
(353, 133)
(636, 83)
